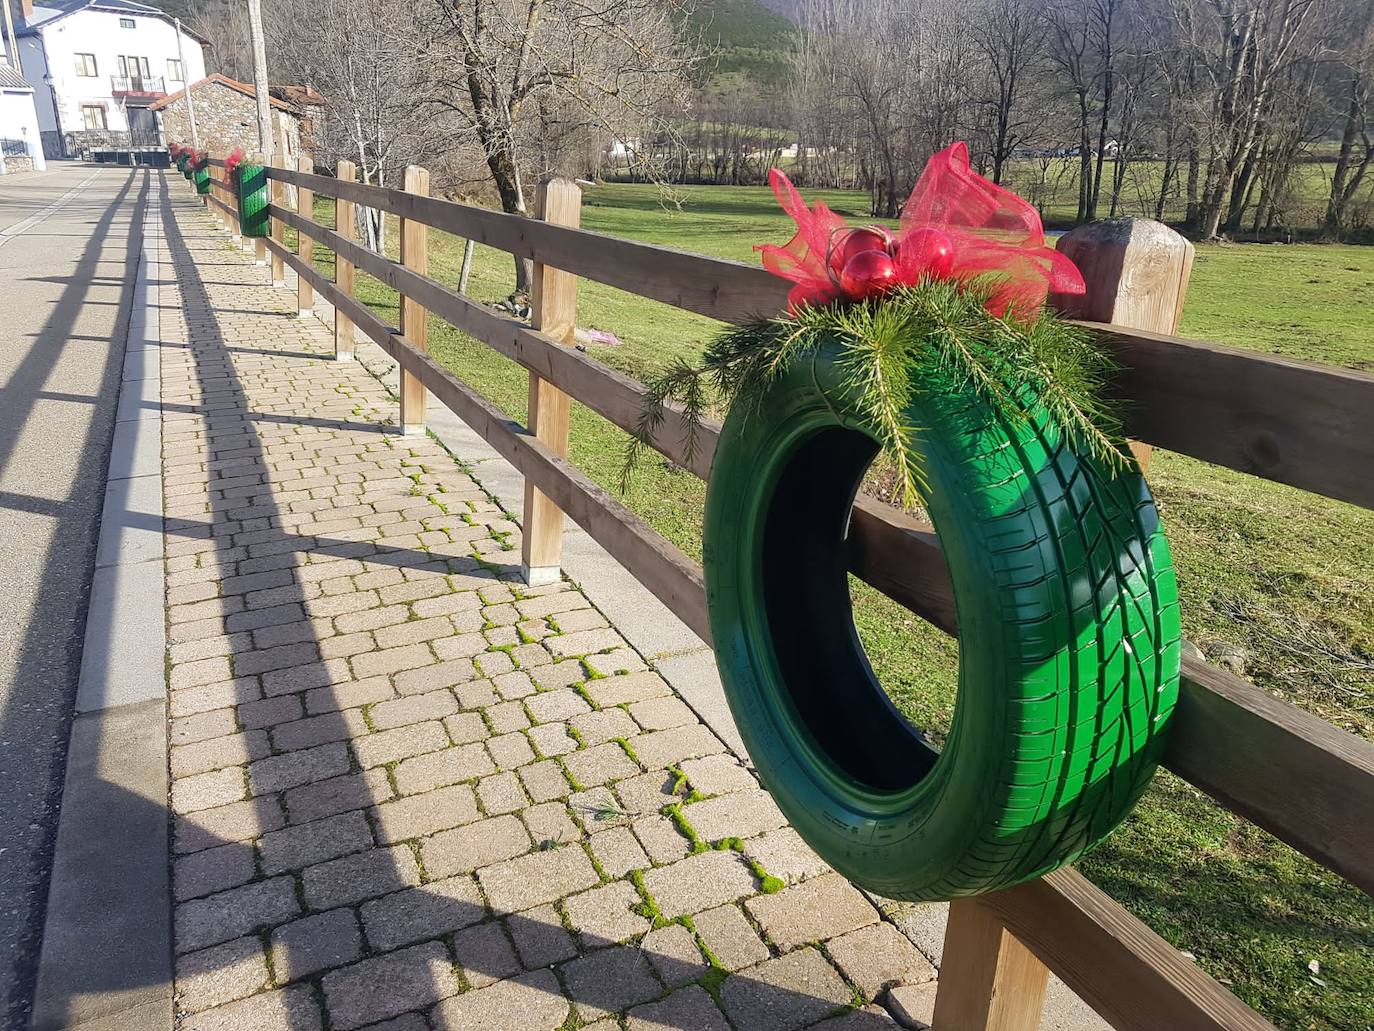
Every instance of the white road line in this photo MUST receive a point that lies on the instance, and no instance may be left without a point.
(22, 227)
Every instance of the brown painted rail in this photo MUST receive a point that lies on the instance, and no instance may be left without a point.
(1310, 426)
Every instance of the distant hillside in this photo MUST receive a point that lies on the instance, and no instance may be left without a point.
(789, 9)
(752, 42)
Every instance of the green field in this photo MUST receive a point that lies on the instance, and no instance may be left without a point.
(1285, 575)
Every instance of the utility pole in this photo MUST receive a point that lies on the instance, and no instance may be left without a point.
(186, 82)
(260, 78)
(11, 44)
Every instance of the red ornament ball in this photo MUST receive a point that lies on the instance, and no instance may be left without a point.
(848, 242)
(925, 254)
(867, 274)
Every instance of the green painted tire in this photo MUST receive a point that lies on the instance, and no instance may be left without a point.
(251, 184)
(201, 177)
(1069, 640)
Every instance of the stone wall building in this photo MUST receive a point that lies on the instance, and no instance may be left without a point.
(227, 117)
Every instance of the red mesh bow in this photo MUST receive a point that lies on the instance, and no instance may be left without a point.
(231, 164)
(956, 225)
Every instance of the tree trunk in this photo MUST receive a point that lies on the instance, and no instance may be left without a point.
(265, 142)
(1335, 204)
(1193, 211)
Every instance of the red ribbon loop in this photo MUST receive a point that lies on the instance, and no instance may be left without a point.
(956, 225)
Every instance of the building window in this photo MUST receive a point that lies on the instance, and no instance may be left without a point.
(174, 70)
(126, 23)
(85, 65)
(93, 115)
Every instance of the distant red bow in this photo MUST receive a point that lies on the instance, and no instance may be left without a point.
(956, 225)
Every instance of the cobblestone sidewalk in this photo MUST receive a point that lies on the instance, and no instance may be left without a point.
(409, 793)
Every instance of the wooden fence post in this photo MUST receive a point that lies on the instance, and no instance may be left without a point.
(414, 318)
(553, 311)
(305, 247)
(1136, 271)
(278, 235)
(989, 981)
(259, 244)
(216, 190)
(346, 227)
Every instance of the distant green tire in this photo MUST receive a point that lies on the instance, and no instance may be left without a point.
(1068, 649)
(251, 187)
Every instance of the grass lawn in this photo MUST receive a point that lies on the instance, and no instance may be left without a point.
(1283, 574)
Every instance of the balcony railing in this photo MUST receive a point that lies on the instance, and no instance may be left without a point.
(138, 85)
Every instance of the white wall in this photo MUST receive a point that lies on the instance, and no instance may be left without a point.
(99, 33)
(19, 121)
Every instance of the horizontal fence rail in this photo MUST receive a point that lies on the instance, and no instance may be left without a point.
(1304, 780)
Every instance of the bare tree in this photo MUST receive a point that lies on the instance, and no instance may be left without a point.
(522, 79)
(1010, 35)
(259, 44)
(1356, 96)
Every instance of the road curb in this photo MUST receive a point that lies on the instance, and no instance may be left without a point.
(107, 936)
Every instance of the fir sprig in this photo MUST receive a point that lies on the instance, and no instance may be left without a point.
(937, 336)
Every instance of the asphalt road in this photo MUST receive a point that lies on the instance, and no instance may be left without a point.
(68, 258)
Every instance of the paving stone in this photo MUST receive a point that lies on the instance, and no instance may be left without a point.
(215, 869)
(465, 728)
(201, 671)
(280, 772)
(342, 882)
(238, 821)
(305, 677)
(293, 1008)
(214, 696)
(726, 931)
(782, 853)
(306, 844)
(399, 712)
(700, 881)
(647, 793)
(593, 767)
(583, 642)
(627, 687)
(549, 824)
(598, 809)
(618, 851)
(389, 985)
(661, 839)
(475, 845)
(425, 912)
(689, 1008)
(870, 1018)
(426, 772)
(234, 913)
(534, 879)
(551, 604)
(606, 915)
(460, 650)
(540, 937)
(552, 739)
(337, 795)
(581, 619)
(550, 677)
(913, 1006)
(597, 728)
(392, 660)
(509, 751)
(673, 953)
(662, 713)
(208, 790)
(217, 753)
(405, 1022)
(530, 656)
(820, 908)
(387, 746)
(718, 774)
(202, 726)
(476, 694)
(556, 706)
(493, 664)
(784, 994)
(314, 943)
(485, 953)
(663, 747)
(506, 717)
(740, 815)
(516, 684)
(877, 956)
(347, 696)
(530, 1002)
(616, 662)
(269, 711)
(221, 974)
(420, 815)
(544, 781)
(610, 981)
(319, 730)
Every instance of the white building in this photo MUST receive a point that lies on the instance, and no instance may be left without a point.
(96, 66)
(21, 149)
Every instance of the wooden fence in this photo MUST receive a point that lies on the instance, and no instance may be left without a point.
(1298, 777)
